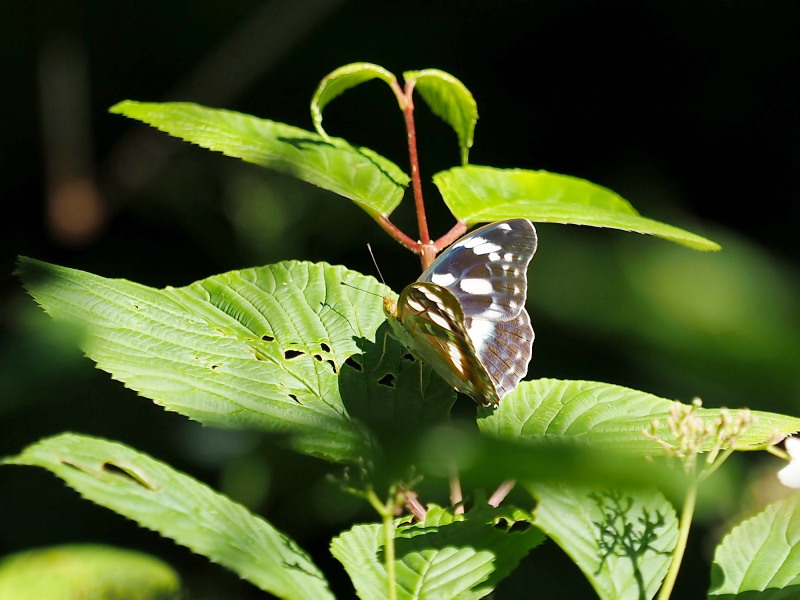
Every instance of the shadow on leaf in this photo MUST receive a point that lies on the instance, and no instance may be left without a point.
(396, 396)
(623, 534)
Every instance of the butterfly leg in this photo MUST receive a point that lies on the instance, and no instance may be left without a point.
(421, 381)
(386, 335)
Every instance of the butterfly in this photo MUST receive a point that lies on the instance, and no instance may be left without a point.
(465, 316)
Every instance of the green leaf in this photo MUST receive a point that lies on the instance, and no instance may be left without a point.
(450, 100)
(760, 558)
(479, 194)
(622, 541)
(371, 181)
(278, 348)
(341, 80)
(181, 508)
(603, 414)
(445, 556)
(86, 571)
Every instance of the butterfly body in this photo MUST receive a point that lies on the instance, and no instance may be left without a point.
(465, 316)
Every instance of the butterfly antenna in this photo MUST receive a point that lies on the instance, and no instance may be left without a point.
(375, 262)
(344, 283)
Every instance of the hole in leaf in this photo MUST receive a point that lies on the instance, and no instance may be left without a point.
(409, 357)
(501, 524)
(353, 363)
(519, 527)
(215, 368)
(387, 380)
(330, 362)
(267, 338)
(290, 354)
(325, 347)
(126, 473)
(293, 397)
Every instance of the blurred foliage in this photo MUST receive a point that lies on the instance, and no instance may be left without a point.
(689, 110)
(86, 571)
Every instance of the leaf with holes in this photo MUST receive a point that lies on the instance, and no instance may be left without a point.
(605, 414)
(258, 348)
(479, 194)
(621, 540)
(445, 556)
(181, 508)
(370, 180)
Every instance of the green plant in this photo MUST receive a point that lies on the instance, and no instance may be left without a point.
(288, 350)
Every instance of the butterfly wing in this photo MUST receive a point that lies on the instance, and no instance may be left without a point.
(429, 321)
(486, 272)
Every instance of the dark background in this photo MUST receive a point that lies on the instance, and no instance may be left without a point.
(687, 109)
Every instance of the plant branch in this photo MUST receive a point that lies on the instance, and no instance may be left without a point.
(687, 513)
(459, 229)
(394, 231)
(501, 492)
(386, 511)
(413, 159)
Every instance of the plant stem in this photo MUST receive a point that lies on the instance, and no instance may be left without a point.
(388, 554)
(687, 513)
(427, 251)
(386, 511)
(501, 492)
(451, 236)
(394, 231)
(456, 495)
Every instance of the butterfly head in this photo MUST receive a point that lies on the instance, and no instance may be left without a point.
(389, 307)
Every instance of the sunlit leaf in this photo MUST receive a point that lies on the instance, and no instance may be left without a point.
(479, 194)
(258, 348)
(445, 556)
(86, 571)
(181, 508)
(621, 540)
(450, 100)
(760, 558)
(341, 80)
(371, 181)
(604, 414)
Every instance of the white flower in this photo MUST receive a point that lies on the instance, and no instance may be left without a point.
(790, 474)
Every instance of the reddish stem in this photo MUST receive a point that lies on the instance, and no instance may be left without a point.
(394, 231)
(413, 159)
(459, 229)
(414, 506)
(501, 492)
(426, 248)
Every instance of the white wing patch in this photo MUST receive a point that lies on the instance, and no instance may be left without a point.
(480, 245)
(479, 287)
(480, 331)
(443, 279)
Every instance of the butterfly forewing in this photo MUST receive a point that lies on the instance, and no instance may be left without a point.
(435, 329)
(486, 270)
